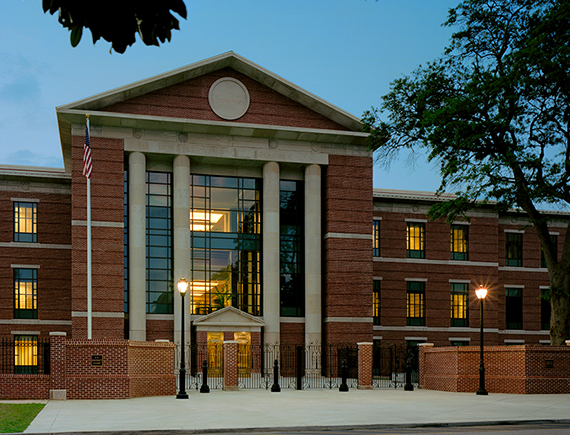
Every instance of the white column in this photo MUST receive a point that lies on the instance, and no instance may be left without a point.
(313, 239)
(181, 224)
(271, 247)
(137, 247)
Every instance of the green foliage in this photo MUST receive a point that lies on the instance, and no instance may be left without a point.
(16, 417)
(118, 22)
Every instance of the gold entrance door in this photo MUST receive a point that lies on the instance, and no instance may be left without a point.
(244, 353)
(215, 354)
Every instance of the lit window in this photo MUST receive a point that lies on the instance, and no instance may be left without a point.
(459, 304)
(25, 222)
(376, 301)
(416, 304)
(25, 293)
(416, 240)
(376, 238)
(25, 354)
(513, 308)
(513, 249)
(459, 242)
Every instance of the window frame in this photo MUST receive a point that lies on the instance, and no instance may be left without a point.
(462, 243)
(513, 308)
(376, 302)
(21, 224)
(417, 305)
(21, 342)
(376, 238)
(412, 240)
(456, 307)
(25, 313)
(513, 247)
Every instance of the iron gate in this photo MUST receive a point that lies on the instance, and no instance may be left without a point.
(389, 365)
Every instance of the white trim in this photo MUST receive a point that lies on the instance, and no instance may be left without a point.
(553, 233)
(347, 236)
(513, 341)
(160, 317)
(376, 278)
(25, 332)
(523, 269)
(291, 319)
(460, 223)
(80, 223)
(97, 314)
(544, 287)
(24, 200)
(377, 218)
(514, 231)
(420, 221)
(544, 342)
(25, 266)
(459, 339)
(523, 332)
(513, 286)
(33, 322)
(433, 329)
(28, 245)
(440, 262)
(348, 320)
(415, 338)
(460, 281)
(415, 279)
(377, 337)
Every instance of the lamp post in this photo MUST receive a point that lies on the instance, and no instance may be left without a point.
(182, 287)
(481, 293)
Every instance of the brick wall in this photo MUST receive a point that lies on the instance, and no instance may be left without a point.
(347, 290)
(291, 334)
(14, 387)
(508, 369)
(107, 241)
(189, 100)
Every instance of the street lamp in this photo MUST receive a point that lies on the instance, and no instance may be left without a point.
(182, 287)
(481, 292)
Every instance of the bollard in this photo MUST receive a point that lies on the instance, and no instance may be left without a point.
(204, 388)
(299, 367)
(344, 373)
(275, 388)
(408, 386)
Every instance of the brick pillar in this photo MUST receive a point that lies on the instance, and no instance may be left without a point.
(421, 362)
(231, 365)
(365, 366)
(57, 366)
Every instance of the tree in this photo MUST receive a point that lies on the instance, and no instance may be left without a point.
(118, 22)
(494, 112)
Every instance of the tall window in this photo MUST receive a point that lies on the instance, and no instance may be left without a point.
(459, 304)
(376, 301)
(25, 293)
(545, 309)
(25, 222)
(159, 269)
(513, 249)
(554, 240)
(376, 238)
(416, 304)
(292, 253)
(513, 308)
(416, 239)
(25, 354)
(459, 242)
(225, 228)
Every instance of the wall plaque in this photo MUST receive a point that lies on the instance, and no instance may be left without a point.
(549, 363)
(96, 360)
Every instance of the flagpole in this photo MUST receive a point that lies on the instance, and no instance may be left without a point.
(89, 282)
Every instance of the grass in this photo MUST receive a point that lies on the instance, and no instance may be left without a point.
(16, 417)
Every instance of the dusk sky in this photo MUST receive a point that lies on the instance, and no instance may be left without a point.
(344, 51)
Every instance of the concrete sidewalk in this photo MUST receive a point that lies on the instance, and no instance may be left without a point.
(260, 409)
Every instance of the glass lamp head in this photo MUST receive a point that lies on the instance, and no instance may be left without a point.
(481, 292)
(182, 286)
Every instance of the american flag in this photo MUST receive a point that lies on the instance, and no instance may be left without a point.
(87, 166)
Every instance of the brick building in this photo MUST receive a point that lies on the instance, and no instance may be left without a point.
(260, 195)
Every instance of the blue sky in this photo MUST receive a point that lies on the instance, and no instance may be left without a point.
(345, 51)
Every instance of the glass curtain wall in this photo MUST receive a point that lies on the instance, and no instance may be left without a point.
(225, 228)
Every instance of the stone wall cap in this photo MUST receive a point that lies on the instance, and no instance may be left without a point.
(230, 342)
(364, 343)
(425, 344)
(58, 333)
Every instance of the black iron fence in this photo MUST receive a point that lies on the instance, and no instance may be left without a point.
(24, 355)
(390, 362)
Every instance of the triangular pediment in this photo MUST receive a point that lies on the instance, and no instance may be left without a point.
(229, 318)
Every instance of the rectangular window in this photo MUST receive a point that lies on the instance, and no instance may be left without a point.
(459, 304)
(513, 308)
(25, 354)
(459, 242)
(513, 249)
(416, 240)
(25, 293)
(545, 309)
(376, 301)
(376, 238)
(416, 304)
(25, 222)
(554, 239)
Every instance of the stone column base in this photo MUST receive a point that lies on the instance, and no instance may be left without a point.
(365, 387)
(231, 388)
(57, 394)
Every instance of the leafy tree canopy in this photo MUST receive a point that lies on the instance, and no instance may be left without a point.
(494, 112)
(118, 22)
